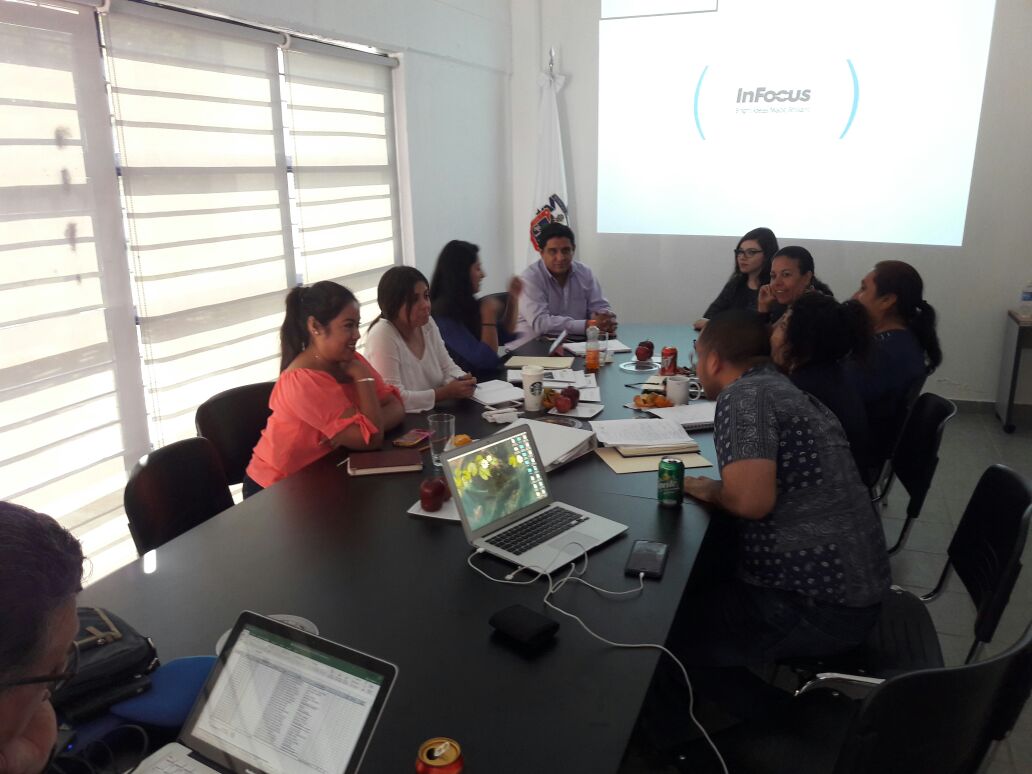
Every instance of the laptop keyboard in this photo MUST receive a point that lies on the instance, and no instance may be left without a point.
(173, 763)
(536, 530)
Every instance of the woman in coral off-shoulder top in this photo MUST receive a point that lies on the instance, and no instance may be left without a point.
(327, 394)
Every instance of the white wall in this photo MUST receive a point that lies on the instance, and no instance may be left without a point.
(455, 101)
(672, 279)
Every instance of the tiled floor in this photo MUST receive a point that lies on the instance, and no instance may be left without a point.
(972, 442)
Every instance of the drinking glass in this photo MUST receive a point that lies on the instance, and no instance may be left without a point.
(603, 348)
(442, 431)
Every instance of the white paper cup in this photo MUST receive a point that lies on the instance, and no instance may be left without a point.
(533, 387)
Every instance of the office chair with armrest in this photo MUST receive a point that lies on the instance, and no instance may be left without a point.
(937, 720)
(985, 552)
(233, 421)
(916, 455)
(172, 490)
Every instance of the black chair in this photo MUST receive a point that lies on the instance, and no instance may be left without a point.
(940, 721)
(172, 490)
(233, 421)
(916, 455)
(985, 552)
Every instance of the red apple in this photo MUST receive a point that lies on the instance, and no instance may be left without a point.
(649, 346)
(573, 394)
(563, 403)
(642, 353)
(447, 489)
(431, 494)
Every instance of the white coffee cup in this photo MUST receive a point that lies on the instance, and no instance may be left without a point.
(533, 387)
(681, 389)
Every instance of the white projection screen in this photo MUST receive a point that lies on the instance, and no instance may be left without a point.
(846, 120)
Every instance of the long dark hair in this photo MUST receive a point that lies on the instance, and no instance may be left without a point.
(451, 290)
(768, 243)
(820, 330)
(804, 261)
(396, 290)
(323, 301)
(41, 567)
(902, 280)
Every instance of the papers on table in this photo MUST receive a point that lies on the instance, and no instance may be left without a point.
(558, 378)
(620, 464)
(580, 347)
(590, 395)
(544, 362)
(557, 444)
(581, 411)
(496, 391)
(448, 511)
(640, 432)
(697, 415)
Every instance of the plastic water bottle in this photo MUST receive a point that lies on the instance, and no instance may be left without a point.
(591, 353)
(1025, 308)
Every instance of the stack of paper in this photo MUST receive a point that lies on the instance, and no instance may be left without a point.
(544, 362)
(557, 444)
(642, 437)
(697, 415)
(580, 347)
(496, 391)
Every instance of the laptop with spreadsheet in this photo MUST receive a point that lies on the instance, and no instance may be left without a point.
(506, 508)
(280, 701)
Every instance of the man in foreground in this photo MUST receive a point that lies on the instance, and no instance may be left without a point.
(560, 294)
(40, 575)
(811, 562)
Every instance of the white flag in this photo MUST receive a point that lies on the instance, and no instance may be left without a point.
(550, 202)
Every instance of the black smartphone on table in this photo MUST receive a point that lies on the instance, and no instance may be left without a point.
(648, 557)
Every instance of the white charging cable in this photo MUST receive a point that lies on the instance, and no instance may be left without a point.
(574, 576)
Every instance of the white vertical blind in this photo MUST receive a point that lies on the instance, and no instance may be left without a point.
(197, 116)
(340, 126)
(71, 414)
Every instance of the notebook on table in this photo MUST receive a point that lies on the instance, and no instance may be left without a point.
(506, 508)
(280, 701)
(390, 461)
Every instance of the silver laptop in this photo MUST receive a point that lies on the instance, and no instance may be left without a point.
(502, 496)
(280, 701)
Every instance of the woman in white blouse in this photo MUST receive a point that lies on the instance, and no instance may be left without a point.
(405, 346)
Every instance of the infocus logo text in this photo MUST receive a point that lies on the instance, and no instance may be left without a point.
(763, 94)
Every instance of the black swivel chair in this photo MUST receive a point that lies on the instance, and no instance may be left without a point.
(940, 721)
(172, 490)
(985, 552)
(916, 455)
(233, 421)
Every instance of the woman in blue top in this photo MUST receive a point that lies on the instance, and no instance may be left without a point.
(751, 271)
(472, 330)
(906, 349)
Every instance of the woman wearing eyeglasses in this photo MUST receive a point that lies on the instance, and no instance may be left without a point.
(751, 271)
(40, 574)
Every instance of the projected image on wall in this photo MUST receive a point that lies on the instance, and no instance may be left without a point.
(824, 120)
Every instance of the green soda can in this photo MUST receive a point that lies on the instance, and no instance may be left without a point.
(671, 482)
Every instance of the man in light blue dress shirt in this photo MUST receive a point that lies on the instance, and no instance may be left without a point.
(560, 294)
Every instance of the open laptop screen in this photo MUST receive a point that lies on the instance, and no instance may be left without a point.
(284, 707)
(496, 480)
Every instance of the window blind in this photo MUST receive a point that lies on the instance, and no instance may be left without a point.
(198, 121)
(71, 416)
(340, 126)
(236, 171)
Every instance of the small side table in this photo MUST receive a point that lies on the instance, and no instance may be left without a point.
(1018, 336)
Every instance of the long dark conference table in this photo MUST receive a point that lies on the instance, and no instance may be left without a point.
(344, 553)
